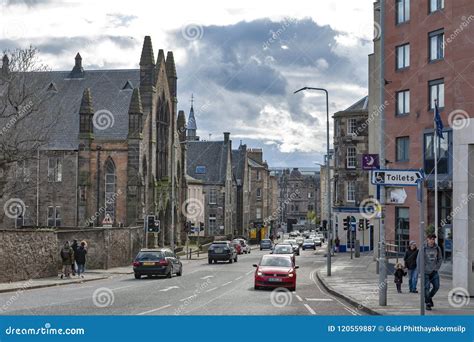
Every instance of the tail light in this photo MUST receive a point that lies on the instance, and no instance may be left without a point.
(163, 262)
(136, 263)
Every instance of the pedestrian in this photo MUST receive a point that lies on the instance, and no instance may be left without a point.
(67, 256)
(410, 264)
(337, 242)
(80, 257)
(399, 274)
(74, 247)
(433, 260)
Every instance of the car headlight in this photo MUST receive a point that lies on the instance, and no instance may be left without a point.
(259, 273)
(291, 275)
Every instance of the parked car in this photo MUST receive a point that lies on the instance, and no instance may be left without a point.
(237, 246)
(284, 249)
(221, 251)
(266, 244)
(245, 246)
(162, 262)
(275, 271)
(309, 244)
(317, 241)
(296, 247)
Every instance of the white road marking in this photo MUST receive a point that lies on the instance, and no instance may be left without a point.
(225, 284)
(207, 277)
(299, 298)
(190, 297)
(169, 288)
(319, 299)
(249, 272)
(310, 309)
(214, 288)
(154, 310)
(123, 287)
(238, 278)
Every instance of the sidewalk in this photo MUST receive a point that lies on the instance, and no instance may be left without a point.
(357, 282)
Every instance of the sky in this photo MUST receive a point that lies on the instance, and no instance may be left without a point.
(242, 60)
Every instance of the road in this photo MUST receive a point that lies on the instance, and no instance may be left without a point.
(216, 289)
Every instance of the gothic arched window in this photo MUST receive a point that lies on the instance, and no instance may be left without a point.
(110, 188)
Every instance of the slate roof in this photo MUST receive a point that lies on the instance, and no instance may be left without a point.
(360, 105)
(238, 166)
(64, 101)
(191, 120)
(212, 155)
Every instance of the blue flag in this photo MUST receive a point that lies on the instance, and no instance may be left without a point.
(438, 122)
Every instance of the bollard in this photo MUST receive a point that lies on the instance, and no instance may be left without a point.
(191, 253)
(357, 248)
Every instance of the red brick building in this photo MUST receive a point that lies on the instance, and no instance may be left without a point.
(429, 55)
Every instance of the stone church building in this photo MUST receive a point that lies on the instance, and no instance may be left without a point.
(115, 151)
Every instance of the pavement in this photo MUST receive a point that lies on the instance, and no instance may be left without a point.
(203, 289)
(356, 282)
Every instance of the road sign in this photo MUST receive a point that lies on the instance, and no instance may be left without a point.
(370, 161)
(393, 177)
(396, 195)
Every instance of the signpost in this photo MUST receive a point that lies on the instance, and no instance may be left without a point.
(391, 177)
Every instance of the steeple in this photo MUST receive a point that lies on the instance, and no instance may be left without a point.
(147, 67)
(86, 112)
(192, 127)
(147, 57)
(135, 116)
(161, 57)
(78, 70)
(181, 126)
(5, 65)
(135, 103)
(171, 74)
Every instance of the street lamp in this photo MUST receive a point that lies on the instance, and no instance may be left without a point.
(328, 187)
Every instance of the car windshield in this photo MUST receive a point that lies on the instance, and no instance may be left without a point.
(277, 262)
(266, 241)
(283, 249)
(144, 256)
(219, 245)
(308, 241)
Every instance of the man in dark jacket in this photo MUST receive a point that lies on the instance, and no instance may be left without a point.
(433, 261)
(67, 258)
(410, 264)
(74, 247)
(80, 257)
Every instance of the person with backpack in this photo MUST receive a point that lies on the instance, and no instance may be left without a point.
(80, 257)
(74, 247)
(67, 258)
(410, 264)
(433, 261)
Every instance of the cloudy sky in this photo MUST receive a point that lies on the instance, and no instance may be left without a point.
(242, 60)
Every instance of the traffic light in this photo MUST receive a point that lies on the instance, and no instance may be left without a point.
(345, 222)
(201, 226)
(152, 224)
(361, 224)
(367, 223)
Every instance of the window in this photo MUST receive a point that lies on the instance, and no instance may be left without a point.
(402, 226)
(258, 213)
(22, 171)
(403, 149)
(403, 102)
(54, 217)
(110, 189)
(443, 153)
(310, 207)
(22, 217)
(436, 89)
(403, 56)
(310, 195)
(82, 194)
(436, 43)
(436, 5)
(403, 11)
(351, 126)
(212, 196)
(258, 175)
(350, 191)
(351, 157)
(259, 192)
(212, 224)
(200, 170)
(55, 169)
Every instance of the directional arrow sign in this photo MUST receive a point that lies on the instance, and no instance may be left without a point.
(394, 177)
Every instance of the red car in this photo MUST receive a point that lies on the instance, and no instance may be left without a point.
(275, 271)
(237, 246)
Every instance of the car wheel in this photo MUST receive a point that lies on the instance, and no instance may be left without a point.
(235, 258)
(138, 276)
(255, 287)
(293, 289)
(260, 248)
(180, 273)
(230, 260)
(209, 261)
(170, 273)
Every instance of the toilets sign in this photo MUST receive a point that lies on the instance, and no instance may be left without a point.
(391, 177)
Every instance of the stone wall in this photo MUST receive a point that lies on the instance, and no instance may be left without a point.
(27, 254)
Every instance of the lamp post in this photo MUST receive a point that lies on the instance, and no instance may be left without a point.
(328, 187)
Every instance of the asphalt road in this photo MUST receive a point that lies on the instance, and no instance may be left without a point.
(216, 289)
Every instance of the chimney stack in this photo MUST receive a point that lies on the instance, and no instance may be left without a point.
(226, 137)
(5, 65)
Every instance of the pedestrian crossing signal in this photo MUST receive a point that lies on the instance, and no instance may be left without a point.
(345, 222)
